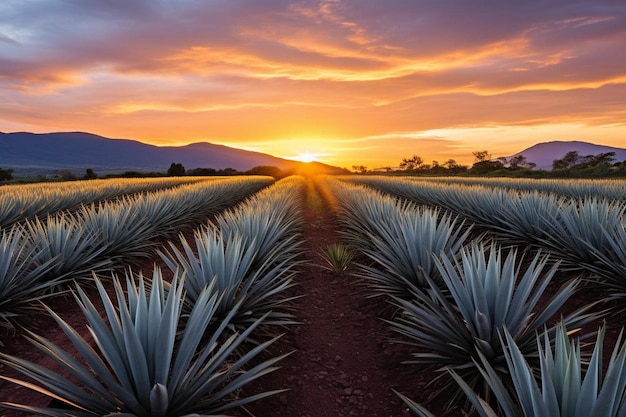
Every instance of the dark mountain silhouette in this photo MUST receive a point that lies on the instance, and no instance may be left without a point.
(544, 153)
(78, 151)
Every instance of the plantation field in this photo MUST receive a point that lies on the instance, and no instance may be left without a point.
(323, 296)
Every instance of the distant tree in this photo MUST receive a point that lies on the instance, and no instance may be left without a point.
(132, 174)
(176, 170)
(6, 174)
(451, 164)
(359, 169)
(520, 161)
(90, 174)
(595, 161)
(481, 156)
(67, 175)
(568, 161)
(202, 172)
(503, 160)
(228, 171)
(269, 170)
(484, 164)
(412, 163)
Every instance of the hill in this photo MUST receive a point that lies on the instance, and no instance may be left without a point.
(544, 153)
(50, 152)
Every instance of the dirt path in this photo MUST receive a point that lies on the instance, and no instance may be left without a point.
(343, 364)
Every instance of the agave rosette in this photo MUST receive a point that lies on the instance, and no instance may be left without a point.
(23, 280)
(563, 387)
(70, 248)
(149, 359)
(485, 294)
(399, 239)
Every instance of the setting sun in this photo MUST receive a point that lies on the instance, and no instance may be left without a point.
(306, 157)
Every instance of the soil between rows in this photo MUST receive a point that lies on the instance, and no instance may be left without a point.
(343, 363)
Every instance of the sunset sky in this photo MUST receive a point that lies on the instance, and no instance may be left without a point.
(362, 82)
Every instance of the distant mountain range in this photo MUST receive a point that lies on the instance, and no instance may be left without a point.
(544, 153)
(48, 153)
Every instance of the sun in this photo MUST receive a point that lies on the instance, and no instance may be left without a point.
(306, 157)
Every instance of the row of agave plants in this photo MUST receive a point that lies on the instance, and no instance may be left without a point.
(185, 346)
(612, 189)
(37, 256)
(587, 233)
(20, 202)
(473, 312)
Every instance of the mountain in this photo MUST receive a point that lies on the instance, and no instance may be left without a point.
(544, 153)
(50, 152)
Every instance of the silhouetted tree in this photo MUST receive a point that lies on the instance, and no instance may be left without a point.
(451, 164)
(176, 170)
(67, 175)
(481, 156)
(412, 163)
(202, 172)
(520, 161)
(6, 174)
(568, 161)
(484, 164)
(90, 174)
(359, 169)
(269, 170)
(228, 171)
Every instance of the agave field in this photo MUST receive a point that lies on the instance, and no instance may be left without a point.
(324, 296)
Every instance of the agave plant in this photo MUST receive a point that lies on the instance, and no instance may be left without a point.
(121, 229)
(22, 281)
(337, 257)
(610, 264)
(565, 390)
(486, 294)
(69, 247)
(580, 225)
(248, 256)
(271, 221)
(403, 248)
(149, 360)
(400, 239)
(527, 217)
(226, 265)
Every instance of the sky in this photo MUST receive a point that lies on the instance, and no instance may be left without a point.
(359, 82)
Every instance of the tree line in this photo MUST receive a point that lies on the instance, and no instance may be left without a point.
(571, 164)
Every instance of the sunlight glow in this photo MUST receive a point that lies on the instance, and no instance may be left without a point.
(306, 157)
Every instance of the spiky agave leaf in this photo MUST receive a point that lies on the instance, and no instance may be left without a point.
(337, 257)
(564, 389)
(230, 267)
(271, 217)
(22, 276)
(120, 227)
(148, 359)
(404, 248)
(399, 238)
(487, 294)
(580, 225)
(610, 263)
(74, 249)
